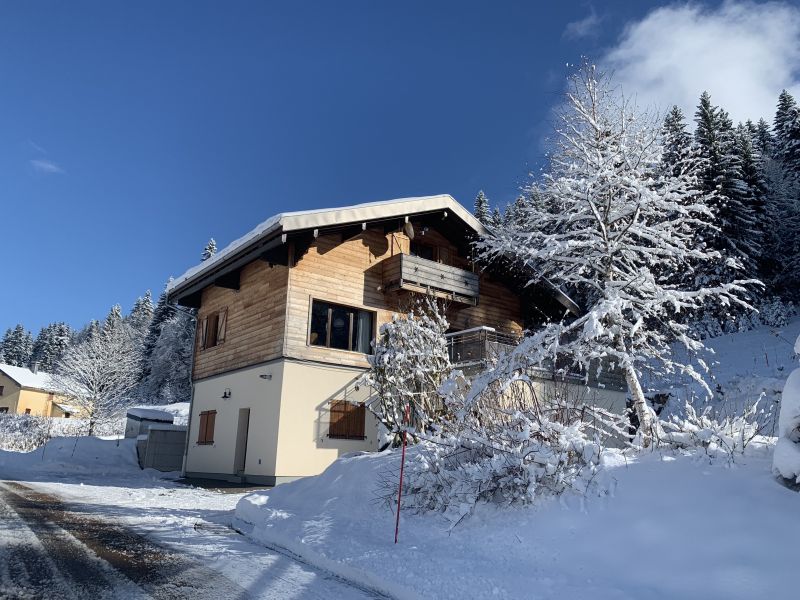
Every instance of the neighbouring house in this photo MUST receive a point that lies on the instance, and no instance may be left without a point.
(286, 316)
(32, 392)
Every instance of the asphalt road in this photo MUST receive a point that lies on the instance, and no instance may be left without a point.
(48, 551)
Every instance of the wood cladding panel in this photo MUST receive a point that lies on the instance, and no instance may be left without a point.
(255, 322)
(351, 272)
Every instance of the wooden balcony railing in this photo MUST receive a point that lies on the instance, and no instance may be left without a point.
(415, 274)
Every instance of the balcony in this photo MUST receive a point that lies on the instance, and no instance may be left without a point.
(478, 346)
(474, 349)
(415, 274)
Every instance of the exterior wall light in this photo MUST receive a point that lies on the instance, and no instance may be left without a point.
(226, 394)
(266, 376)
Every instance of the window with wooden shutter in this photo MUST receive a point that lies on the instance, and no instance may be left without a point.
(205, 434)
(222, 325)
(347, 420)
(213, 329)
(203, 333)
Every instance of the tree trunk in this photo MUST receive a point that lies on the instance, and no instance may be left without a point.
(643, 411)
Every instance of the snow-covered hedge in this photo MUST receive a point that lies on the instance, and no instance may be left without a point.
(772, 312)
(23, 433)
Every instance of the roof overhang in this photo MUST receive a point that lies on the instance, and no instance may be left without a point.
(273, 233)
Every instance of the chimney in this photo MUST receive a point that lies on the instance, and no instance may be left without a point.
(35, 368)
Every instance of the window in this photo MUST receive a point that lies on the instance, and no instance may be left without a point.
(3, 409)
(212, 329)
(347, 420)
(342, 327)
(67, 415)
(206, 433)
(27, 411)
(423, 251)
(2, 389)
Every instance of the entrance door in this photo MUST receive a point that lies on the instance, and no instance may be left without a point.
(241, 440)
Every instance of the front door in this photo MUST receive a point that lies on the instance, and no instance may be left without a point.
(241, 440)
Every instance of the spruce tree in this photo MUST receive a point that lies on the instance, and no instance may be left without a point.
(141, 315)
(209, 251)
(481, 208)
(17, 346)
(676, 140)
(496, 218)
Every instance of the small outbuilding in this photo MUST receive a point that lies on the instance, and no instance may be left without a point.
(141, 419)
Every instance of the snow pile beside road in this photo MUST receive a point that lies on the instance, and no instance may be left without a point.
(69, 457)
(787, 452)
(636, 544)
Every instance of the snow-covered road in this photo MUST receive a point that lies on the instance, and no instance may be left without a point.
(92, 548)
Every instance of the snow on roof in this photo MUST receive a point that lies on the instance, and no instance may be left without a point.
(28, 379)
(312, 219)
(150, 414)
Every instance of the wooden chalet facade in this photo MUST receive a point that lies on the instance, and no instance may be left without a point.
(286, 319)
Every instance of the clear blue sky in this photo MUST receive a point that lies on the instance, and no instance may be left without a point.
(130, 133)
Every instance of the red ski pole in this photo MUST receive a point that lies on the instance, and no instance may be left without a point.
(402, 467)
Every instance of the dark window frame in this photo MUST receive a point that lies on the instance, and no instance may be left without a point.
(353, 314)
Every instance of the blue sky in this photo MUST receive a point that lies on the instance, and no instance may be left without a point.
(133, 132)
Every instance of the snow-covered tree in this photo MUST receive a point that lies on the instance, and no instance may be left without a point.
(99, 374)
(170, 363)
(50, 345)
(409, 364)
(677, 142)
(481, 208)
(786, 460)
(17, 346)
(496, 219)
(209, 251)
(141, 314)
(619, 220)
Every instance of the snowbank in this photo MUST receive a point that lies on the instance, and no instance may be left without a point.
(676, 527)
(66, 457)
(786, 461)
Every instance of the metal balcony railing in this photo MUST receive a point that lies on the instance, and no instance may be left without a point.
(479, 345)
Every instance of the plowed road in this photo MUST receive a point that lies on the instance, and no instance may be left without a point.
(51, 550)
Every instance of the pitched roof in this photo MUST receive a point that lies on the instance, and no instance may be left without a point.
(313, 219)
(28, 379)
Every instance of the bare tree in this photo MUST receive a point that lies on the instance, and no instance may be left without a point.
(98, 374)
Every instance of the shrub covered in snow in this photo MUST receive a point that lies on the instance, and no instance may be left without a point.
(23, 433)
(509, 445)
(786, 461)
(726, 436)
(772, 312)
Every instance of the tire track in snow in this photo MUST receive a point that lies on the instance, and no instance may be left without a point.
(86, 557)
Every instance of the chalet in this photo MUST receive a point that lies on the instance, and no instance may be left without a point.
(25, 391)
(287, 314)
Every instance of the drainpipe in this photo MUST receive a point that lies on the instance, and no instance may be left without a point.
(191, 385)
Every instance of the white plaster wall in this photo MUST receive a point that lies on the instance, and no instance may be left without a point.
(304, 447)
(248, 390)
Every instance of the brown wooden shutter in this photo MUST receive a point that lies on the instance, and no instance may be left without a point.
(222, 325)
(203, 333)
(212, 417)
(347, 420)
(201, 433)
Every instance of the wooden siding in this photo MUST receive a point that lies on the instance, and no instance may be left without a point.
(351, 272)
(256, 316)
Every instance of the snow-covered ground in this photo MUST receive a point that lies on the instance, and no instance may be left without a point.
(743, 367)
(102, 478)
(674, 525)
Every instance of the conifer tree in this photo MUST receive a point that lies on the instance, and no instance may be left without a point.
(17, 346)
(481, 208)
(496, 218)
(209, 251)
